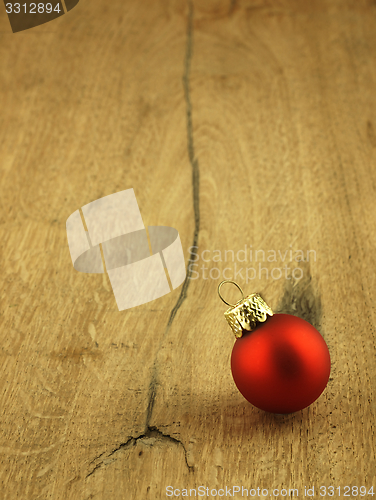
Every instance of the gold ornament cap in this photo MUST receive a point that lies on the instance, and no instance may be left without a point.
(247, 313)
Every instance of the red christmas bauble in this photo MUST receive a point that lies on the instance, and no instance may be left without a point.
(282, 366)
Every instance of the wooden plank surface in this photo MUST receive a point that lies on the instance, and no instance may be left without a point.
(244, 124)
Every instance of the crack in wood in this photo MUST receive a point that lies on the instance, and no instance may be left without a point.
(152, 394)
(192, 159)
(196, 200)
(151, 433)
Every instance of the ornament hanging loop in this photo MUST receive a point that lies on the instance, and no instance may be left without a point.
(247, 313)
(219, 291)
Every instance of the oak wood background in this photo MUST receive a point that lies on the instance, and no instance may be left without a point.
(238, 122)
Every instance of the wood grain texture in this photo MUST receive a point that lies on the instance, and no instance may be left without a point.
(241, 123)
